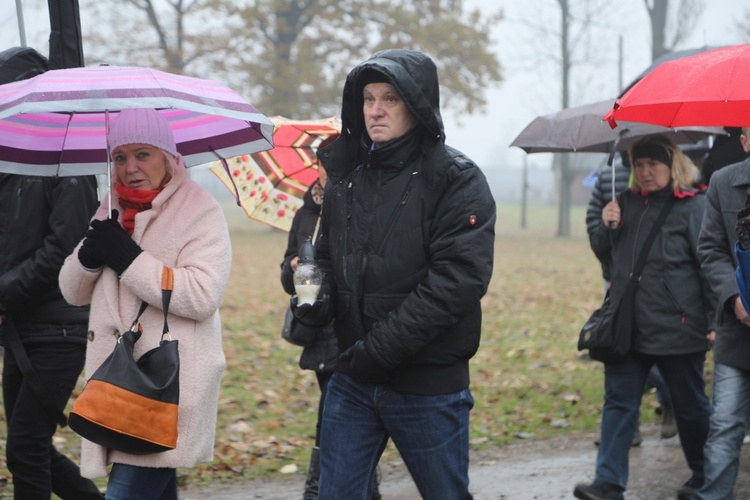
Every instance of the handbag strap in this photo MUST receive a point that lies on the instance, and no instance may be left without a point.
(167, 285)
(641, 262)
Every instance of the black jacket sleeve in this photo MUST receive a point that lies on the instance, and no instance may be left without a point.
(72, 202)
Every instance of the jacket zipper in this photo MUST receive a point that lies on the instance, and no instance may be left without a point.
(674, 300)
(637, 233)
(395, 213)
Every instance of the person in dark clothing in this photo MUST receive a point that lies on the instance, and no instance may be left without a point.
(601, 194)
(406, 250)
(726, 197)
(43, 218)
(726, 150)
(673, 312)
(321, 355)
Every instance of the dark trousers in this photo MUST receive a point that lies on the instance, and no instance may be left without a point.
(38, 469)
(323, 378)
(623, 390)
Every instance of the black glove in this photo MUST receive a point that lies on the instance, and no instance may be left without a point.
(86, 256)
(111, 244)
(742, 228)
(315, 314)
(363, 364)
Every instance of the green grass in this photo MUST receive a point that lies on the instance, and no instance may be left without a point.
(528, 379)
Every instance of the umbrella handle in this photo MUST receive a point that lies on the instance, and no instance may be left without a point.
(109, 166)
(611, 163)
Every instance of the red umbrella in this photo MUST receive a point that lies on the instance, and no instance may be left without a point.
(707, 89)
(270, 186)
(669, 56)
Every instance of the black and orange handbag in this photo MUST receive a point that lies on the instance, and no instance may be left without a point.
(128, 405)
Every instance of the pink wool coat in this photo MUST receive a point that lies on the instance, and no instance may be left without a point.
(185, 229)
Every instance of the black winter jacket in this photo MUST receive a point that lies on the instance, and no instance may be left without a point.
(407, 239)
(600, 196)
(674, 306)
(321, 355)
(43, 219)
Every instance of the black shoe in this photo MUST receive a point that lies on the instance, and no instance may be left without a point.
(597, 492)
(689, 490)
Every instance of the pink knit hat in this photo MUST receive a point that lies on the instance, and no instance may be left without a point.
(141, 126)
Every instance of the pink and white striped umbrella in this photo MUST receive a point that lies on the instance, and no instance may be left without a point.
(54, 123)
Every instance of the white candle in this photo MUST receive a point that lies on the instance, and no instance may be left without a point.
(306, 294)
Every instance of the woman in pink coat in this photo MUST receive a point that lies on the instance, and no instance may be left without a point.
(160, 218)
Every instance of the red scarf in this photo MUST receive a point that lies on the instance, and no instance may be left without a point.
(134, 201)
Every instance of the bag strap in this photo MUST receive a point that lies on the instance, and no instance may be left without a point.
(167, 285)
(641, 262)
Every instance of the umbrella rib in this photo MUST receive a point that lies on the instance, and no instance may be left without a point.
(229, 174)
(65, 139)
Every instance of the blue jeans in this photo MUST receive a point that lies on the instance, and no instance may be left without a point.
(623, 389)
(430, 432)
(731, 397)
(128, 482)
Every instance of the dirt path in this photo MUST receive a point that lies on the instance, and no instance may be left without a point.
(528, 470)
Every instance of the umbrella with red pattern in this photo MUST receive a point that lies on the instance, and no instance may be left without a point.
(270, 185)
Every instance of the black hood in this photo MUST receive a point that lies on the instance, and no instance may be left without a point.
(414, 76)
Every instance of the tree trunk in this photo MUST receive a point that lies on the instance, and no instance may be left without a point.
(658, 15)
(566, 179)
(563, 221)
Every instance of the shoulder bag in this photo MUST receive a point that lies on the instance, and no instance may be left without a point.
(608, 333)
(129, 405)
(295, 332)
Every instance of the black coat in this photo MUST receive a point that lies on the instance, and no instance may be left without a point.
(674, 306)
(321, 355)
(42, 220)
(600, 196)
(408, 238)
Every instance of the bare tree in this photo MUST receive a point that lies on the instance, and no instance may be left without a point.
(576, 20)
(568, 43)
(667, 31)
(290, 57)
(179, 36)
(563, 160)
(743, 26)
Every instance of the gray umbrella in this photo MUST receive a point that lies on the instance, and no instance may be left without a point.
(581, 130)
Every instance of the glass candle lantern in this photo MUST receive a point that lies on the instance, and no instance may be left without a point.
(307, 277)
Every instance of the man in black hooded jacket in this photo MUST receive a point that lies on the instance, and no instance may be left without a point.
(406, 248)
(42, 219)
